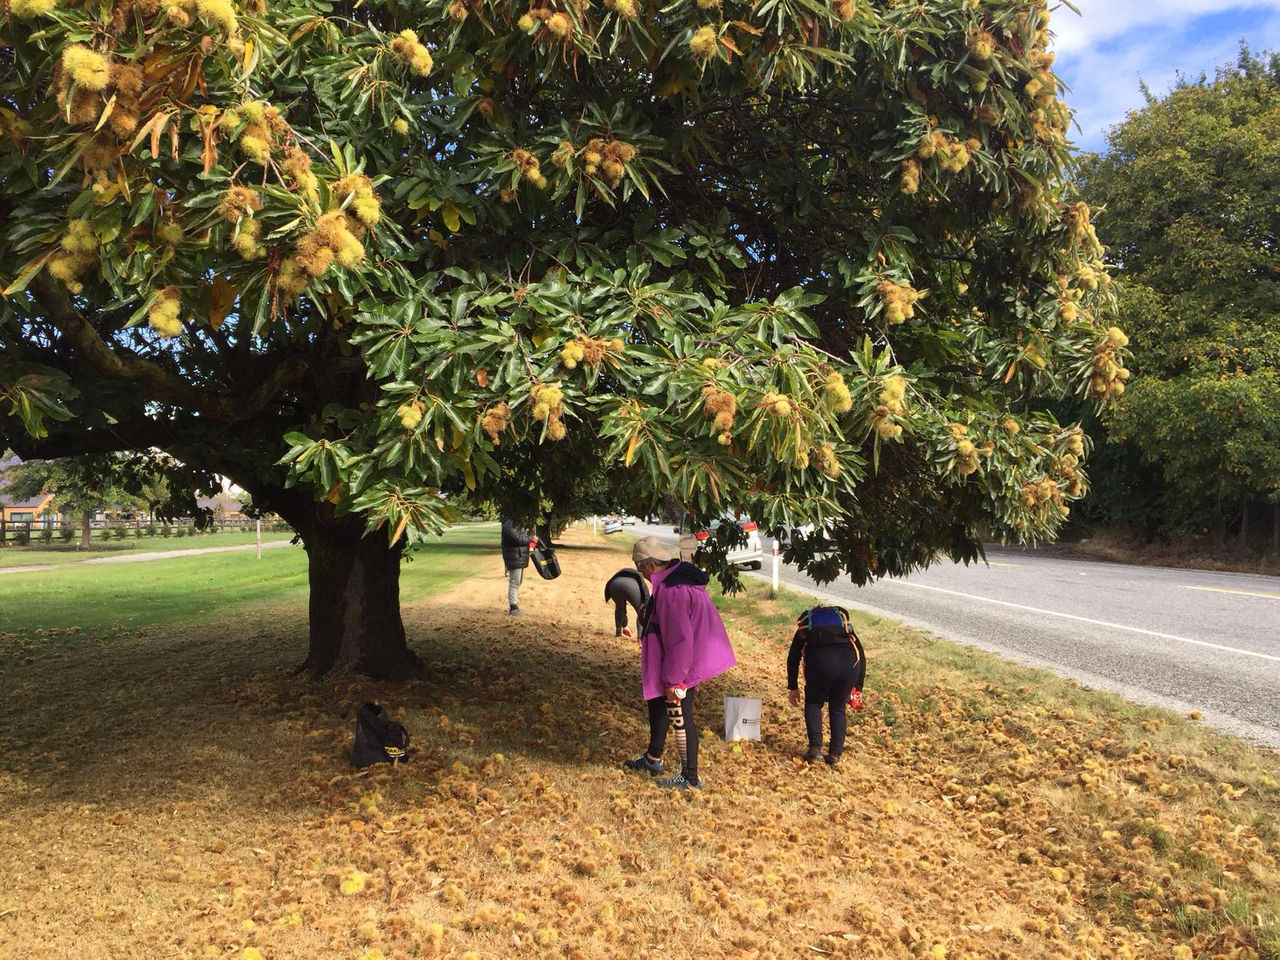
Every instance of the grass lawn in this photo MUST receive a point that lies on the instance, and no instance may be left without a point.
(169, 788)
(12, 556)
(110, 598)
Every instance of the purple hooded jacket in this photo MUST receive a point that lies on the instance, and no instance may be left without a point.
(683, 641)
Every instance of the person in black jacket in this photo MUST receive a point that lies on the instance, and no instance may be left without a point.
(516, 544)
(626, 587)
(834, 669)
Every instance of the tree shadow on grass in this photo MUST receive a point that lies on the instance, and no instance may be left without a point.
(85, 714)
(171, 714)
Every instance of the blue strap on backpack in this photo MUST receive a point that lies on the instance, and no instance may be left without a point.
(828, 617)
(834, 618)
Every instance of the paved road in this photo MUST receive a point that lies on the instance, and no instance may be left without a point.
(1182, 639)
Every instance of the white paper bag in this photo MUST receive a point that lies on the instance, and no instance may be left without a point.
(741, 718)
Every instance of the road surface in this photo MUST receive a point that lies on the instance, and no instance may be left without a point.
(1181, 639)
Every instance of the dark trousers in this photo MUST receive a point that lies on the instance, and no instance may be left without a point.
(663, 715)
(829, 677)
(623, 591)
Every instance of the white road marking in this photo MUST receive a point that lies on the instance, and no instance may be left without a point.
(1099, 623)
(1243, 593)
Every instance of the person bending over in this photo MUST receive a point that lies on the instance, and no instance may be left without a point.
(626, 588)
(834, 669)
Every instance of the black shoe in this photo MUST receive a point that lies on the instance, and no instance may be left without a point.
(680, 782)
(812, 754)
(644, 764)
(832, 759)
(515, 612)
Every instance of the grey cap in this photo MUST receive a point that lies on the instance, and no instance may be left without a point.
(651, 548)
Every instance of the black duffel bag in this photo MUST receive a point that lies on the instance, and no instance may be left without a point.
(379, 739)
(544, 561)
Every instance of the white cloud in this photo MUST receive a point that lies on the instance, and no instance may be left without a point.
(1115, 46)
(1102, 20)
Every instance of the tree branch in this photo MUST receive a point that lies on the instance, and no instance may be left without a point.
(155, 382)
(139, 434)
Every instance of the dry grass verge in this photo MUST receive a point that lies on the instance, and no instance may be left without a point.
(181, 794)
(1118, 547)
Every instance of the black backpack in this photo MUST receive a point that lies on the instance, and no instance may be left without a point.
(379, 739)
(830, 624)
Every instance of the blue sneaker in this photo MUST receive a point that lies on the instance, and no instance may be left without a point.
(644, 764)
(680, 782)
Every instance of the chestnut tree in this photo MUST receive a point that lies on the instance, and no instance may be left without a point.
(814, 261)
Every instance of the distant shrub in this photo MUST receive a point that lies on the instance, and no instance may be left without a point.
(121, 531)
(46, 535)
(166, 531)
(180, 531)
(66, 533)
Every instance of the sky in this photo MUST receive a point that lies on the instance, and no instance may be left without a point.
(1113, 46)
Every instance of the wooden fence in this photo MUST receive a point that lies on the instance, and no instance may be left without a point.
(41, 532)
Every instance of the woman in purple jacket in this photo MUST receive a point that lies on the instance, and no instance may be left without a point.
(682, 643)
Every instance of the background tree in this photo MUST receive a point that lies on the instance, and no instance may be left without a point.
(81, 486)
(800, 260)
(1191, 187)
(549, 487)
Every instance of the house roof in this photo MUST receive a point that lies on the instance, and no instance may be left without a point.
(222, 501)
(35, 504)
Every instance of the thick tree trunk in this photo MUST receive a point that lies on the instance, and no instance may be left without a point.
(86, 530)
(1244, 527)
(355, 600)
